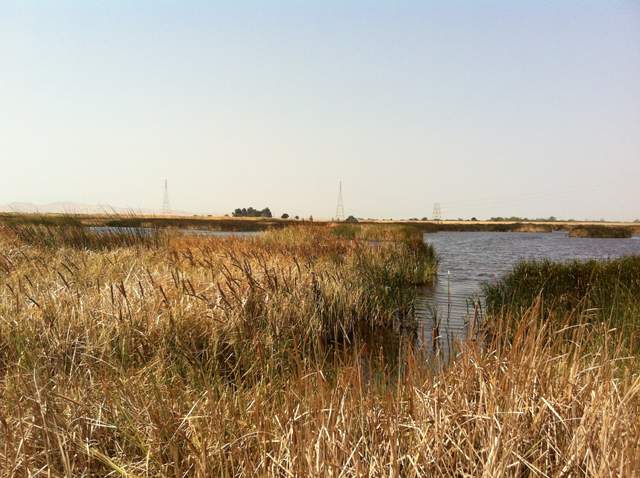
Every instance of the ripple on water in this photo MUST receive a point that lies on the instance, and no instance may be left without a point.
(472, 258)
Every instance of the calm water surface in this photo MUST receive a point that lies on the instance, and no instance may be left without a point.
(467, 259)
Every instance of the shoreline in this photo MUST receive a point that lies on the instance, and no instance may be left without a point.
(218, 223)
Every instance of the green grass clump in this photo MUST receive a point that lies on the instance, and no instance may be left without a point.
(414, 255)
(605, 291)
(378, 232)
(597, 231)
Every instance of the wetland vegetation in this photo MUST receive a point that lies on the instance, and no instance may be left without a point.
(175, 355)
(594, 291)
(243, 223)
(594, 230)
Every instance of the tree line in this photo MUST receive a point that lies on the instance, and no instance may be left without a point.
(251, 212)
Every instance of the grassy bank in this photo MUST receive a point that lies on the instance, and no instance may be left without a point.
(234, 357)
(58, 234)
(153, 222)
(594, 291)
(219, 223)
(601, 232)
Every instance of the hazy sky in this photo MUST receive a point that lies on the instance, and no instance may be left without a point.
(489, 107)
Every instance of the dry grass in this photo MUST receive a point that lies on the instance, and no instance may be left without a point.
(133, 219)
(246, 357)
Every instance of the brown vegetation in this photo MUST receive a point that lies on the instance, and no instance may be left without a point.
(597, 231)
(260, 224)
(228, 357)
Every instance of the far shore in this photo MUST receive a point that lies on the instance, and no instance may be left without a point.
(228, 223)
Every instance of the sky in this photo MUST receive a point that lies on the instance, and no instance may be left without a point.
(490, 108)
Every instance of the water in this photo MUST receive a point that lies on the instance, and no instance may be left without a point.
(206, 232)
(467, 259)
(141, 231)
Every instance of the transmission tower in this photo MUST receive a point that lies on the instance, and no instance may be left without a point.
(166, 205)
(437, 212)
(340, 206)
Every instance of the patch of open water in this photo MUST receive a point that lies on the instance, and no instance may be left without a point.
(468, 259)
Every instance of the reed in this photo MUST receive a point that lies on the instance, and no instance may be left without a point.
(234, 357)
(61, 234)
(599, 291)
(598, 231)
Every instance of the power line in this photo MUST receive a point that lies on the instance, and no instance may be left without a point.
(166, 205)
(437, 212)
(555, 193)
(507, 204)
(340, 206)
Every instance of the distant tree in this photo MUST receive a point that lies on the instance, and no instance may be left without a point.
(311, 218)
(251, 212)
(266, 212)
(509, 219)
(474, 218)
(351, 220)
(297, 218)
(284, 216)
(424, 219)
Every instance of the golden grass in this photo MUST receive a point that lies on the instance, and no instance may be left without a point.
(256, 224)
(246, 357)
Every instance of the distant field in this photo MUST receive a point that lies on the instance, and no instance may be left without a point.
(260, 223)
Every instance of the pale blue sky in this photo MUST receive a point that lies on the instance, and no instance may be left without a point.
(489, 107)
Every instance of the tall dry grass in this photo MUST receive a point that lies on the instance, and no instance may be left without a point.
(247, 357)
(69, 232)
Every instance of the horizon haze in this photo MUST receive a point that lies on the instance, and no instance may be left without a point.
(489, 108)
